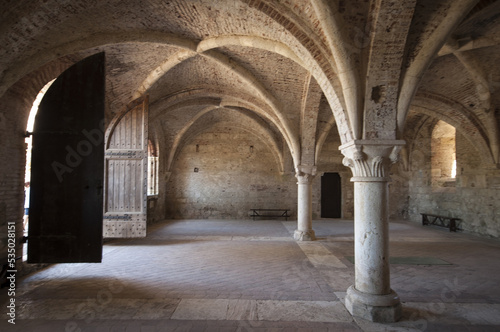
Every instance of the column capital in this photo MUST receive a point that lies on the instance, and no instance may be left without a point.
(305, 173)
(369, 160)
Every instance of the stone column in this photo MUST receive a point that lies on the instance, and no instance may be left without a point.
(371, 296)
(305, 175)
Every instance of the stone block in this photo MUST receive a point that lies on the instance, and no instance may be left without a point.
(375, 308)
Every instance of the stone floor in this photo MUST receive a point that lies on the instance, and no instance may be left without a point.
(213, 275)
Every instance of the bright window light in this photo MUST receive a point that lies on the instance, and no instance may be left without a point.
(454, 169)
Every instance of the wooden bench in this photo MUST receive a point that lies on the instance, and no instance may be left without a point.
(443, 221)
(274, 213)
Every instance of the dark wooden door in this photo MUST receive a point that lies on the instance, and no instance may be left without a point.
(331, 196)
(65, 217)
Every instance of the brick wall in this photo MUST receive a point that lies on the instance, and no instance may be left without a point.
(13, 117)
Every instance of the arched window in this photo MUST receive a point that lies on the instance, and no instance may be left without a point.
(27, 176)
(444, 163)
(152, 169)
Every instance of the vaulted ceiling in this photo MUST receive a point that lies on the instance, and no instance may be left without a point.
(287, 70)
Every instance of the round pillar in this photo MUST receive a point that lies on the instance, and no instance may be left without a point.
(371, 244)
(371, 296)
(304, 231)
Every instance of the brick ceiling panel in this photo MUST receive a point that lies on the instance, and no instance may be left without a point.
(281, 76)
(197, 73)
(459, 84)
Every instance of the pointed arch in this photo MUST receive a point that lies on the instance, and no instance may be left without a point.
(181, 138)
(458, 116)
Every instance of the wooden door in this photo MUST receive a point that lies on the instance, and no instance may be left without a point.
(331, 196)
(65, 215)
(125, 196)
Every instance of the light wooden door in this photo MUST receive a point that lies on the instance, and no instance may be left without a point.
(125, 190)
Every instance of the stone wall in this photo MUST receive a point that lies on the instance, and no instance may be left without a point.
(399, 197)
(231, 179)
(474, 198)
(223, 173)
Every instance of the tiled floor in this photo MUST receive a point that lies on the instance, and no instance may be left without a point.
(214, 275)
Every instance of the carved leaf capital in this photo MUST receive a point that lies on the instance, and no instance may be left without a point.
(371, 158)
(305, 174)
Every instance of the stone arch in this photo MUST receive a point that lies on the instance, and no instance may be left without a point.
(350, 80)
(253, 83)
(458, 116)
(322, 64)
(213, 99)
(413, 74)
(208, 49)
(26, 65)
(28, 87)
(189, 48)
(190, 132)
(183, 135)
(213, 43)
(309, 49)
(318, 69)
(29, 64)
(322, 138)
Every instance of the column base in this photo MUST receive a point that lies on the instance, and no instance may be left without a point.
(375, 308)
(304, 235)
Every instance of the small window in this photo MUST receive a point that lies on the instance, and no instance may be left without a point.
(152, 169)
(444, 163)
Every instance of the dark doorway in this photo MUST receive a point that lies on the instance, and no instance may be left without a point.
(331, 196)
(65, 215)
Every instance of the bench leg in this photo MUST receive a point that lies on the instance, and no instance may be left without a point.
(453, 225)
(425, 221)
